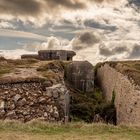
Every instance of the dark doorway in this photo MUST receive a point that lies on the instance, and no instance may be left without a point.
(69, 58)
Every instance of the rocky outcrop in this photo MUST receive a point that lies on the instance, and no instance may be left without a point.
(32, 99)
(127, 94)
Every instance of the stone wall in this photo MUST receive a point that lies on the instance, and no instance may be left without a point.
(30, 100)
(127, 100)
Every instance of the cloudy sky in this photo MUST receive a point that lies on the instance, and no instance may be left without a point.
(98, 30)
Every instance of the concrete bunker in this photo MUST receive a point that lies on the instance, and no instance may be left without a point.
(31, 56)
(64, 55)
(56, 55)
(80, 74)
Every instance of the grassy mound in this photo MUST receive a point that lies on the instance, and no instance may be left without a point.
(128, 68)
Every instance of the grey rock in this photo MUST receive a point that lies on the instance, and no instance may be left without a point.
(42, 100)
(11, 114)
(2, 112)
(12, 106)
(22, 102)
(49, 93)
(56, 114)
(62, 97)
(16, 98)
(25, 113)
(47, 84)
(49, 108)
(45, 114)
(2, 105)
(55, 94)
(62, 89)
(6, 92)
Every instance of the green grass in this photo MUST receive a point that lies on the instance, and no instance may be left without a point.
(4, 71)
(5, 68)
(58, 131)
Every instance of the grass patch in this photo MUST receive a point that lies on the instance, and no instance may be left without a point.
(22, 62)
(5, 68)
(4, 71)
(51, 76)
(68, 131)
(52, 70)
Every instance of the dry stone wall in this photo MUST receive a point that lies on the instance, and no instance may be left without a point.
(30, 100)
(127, 100)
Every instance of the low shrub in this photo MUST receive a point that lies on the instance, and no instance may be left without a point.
(85, 106)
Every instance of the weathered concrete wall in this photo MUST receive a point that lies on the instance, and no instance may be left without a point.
(30, 56)
(63, 55)
(26, 101)
(80, 74)
(127, 99)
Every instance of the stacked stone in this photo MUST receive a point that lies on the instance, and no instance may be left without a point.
(29, 101)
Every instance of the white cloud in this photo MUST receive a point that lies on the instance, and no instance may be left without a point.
(14, 54)
(5, 25)
(52, 43)
(21, 34)
(114, 31)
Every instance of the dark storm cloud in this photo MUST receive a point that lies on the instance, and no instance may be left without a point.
(88, 38)
(94, 24)
(85, 40)
(100, 1)
(72, 4)
(135, 53)
(131, 52)
(34, 7)
(75, 4)
(136, 2)
(20, 7)
(106, 51)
